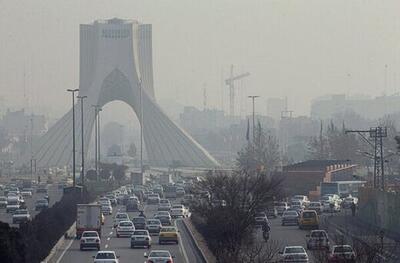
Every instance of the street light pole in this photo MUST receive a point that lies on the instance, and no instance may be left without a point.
(96, 107)
(73, 134)
(98, 135)
(82, 143)
(253, 97)
(141, 127)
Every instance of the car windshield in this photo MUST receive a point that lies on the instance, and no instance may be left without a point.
(119, 216)
(168, 229)
(164, 201)
(177, 206)
(315, 204)
(105, 255)
(318, 234)
(342, 249)
(140, 233)
(21, 212)
(290, 213)
(153, 222)
(125, 223)
(291, 250)
(90, 234)
(309, 215)
(159, 254)
(138, 220)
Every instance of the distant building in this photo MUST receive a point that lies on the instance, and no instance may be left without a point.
(306, 177)
(197, 121)
(19, 124)
(369, 108)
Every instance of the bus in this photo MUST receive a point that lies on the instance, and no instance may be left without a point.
(342, 188)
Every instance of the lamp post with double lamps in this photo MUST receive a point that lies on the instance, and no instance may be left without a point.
(73, 134)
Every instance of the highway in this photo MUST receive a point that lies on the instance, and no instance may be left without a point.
(183, 252)
(54, 193)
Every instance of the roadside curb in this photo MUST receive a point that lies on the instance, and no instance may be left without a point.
(203, 250)
(68, 235)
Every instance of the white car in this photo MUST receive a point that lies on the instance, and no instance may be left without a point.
(153, 226)
(342, 253)
(26, 193)
(177, 212)
(348, 201)
(153, 199)
(20, 216)
(107, 209)
(120, 217)
(90, 239)
(181, 206)
(159, 256)
(294, 254)
(125, 228)
(140, 238)
(106, 257)
(318, 239)
(164, 207)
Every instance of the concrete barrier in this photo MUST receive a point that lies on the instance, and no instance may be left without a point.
(60, 245)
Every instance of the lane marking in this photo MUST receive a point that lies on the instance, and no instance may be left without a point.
(106, 246)
(111, 233)
(65, 250)
(181, 246)
(108, 238)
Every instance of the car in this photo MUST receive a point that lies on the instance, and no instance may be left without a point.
(41, 204)
(153, 199)
(159, 256)
(26, 193)
(21, 216)
(153, 226)
(331, 207)
(165, 201)
(260, 219)
(290, 218)
(120, 217)
(42, 188)
(13, 203)
(90, 239)
(318, 239)
(281, 207)
(140, 238)
(107, 209)
(168, 234)
(309, 219)
(180, 191)
(3, 202)
(348, 201)
(139, 222)
(162, 213)
(316, 206)
(125, 229)
(188, 200)
(177, 213)
(165, 220)
(132, 204)
(297, 205)
(294, 254)
(302, 198)
(272, 212)
(332, 198)
(164, 207)
(181, 206)
(106, 257)
(341, 253)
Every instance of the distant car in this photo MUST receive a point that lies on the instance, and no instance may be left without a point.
(21, 216)
(260, 219)
(294, 254)
(177, 213)
(181, 206)
(159, 256)
(316, 206)
(106, 209)
(341, 253)
(318, 239)
(106, 257)
(120, 217)
(3, 202)
(188, 200)
(90, 239)
(153, 199)
(132, 205)
(164, 207)
(165, 220)
(168, 234)
(13, 203)
(331, 207)
(309, 219)
(42, 188)
(139, 222)
(153, 226)
(180, 191)
(140, 238)
(290, 218)
(272, 212)
(41, 204)
(348, 201)
(125, 229)
(26, 193)
(281, 207)
(302, 198)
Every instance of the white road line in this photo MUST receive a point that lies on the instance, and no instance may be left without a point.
(65, 250)
(106, 246)
(181, 247)
(108, 238)
(111, 233)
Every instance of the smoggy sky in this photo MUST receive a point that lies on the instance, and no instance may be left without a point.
(296, 48)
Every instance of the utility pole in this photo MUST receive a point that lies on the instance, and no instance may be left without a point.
(253, 97)
(141, 126)
(376, 134)
(73, 134)
(31, 146)
(96, 107)
(82, 143)
(98, 135)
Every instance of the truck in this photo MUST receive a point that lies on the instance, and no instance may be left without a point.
(88, 218)
(165, 179)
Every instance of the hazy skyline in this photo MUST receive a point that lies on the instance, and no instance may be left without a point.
(296, 48)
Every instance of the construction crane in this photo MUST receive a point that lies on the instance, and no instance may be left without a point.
(230, 82)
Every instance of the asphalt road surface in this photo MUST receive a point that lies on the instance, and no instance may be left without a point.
(54, 193)
(183, 252)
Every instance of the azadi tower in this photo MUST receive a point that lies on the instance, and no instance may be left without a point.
(115, 57)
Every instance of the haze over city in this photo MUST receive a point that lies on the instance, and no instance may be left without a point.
(299, 49)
